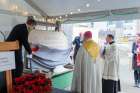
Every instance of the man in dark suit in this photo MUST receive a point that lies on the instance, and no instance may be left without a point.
(20, 32)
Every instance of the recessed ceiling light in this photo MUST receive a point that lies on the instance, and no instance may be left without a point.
(87, 5)
(25, 13)
(60, 17)
(79, 10)
(71, 13)
(98, 0)
(16, 7)
(66, 15)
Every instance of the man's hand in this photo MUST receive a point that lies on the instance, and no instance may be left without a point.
(29, 56)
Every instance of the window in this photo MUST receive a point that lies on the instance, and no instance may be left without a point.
(128, 21)
(40, 27)
(110, 23)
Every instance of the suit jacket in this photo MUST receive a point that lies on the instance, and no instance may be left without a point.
(20, 33)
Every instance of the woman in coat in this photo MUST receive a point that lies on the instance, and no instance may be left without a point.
(136, 61)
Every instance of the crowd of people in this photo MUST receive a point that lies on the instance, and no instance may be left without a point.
(89, 77)
(136, 60)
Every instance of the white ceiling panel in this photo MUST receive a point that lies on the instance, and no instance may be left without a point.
(17, 6)
(63, 7)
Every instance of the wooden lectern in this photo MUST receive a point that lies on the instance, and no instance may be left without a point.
(9, 46)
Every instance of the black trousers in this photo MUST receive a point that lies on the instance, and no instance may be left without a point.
(19, 65)
(3, 88)
(110, 86)
(137, 76)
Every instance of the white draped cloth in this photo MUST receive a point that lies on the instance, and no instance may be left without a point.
(53, 40)
(87, 75)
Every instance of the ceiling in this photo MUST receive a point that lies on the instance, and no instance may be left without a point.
(65, 7)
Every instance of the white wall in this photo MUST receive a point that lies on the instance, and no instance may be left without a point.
(17, 6)
(68, 30)
(8, 21)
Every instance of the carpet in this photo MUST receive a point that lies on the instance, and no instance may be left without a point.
(62, 81)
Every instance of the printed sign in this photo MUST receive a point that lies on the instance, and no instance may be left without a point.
(7, 61)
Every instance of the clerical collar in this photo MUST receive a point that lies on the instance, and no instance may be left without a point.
(111, 42)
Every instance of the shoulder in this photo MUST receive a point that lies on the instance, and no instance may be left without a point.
(114, 45)
(18, 26)
(22, 25)
(97, 44)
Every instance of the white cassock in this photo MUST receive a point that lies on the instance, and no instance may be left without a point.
(87, 75)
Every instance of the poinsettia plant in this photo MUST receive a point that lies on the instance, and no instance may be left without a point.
(33, 83)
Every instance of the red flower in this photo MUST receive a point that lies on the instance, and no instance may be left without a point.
(29, 91)
(33, 83)
(36, 88)
(18, 80)
(41, 81)
(47, 88)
